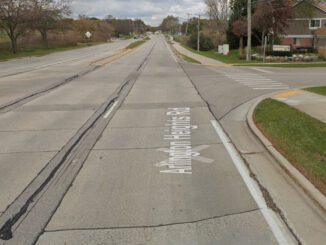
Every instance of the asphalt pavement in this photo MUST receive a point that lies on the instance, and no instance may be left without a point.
(144, 150)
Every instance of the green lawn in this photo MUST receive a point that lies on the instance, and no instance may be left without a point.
(317, 90)
(138, 43)
(288, 65)
(7, 55)
(189, 59)
(301, 138)
(233, 59)
(3, 37)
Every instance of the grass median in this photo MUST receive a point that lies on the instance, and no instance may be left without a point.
(137, 43)
(299, 137)
(7, 55)
(317, 90)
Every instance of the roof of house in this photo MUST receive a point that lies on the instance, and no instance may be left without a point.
(318, 4)
(321, 5)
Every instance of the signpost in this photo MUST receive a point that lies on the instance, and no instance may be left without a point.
(282, 48)
(88, 35)
(265, 49)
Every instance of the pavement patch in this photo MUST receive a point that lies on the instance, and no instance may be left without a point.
(17, 171)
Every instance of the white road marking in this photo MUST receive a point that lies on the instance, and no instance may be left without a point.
(256, 82)
(270, 88)
(168, 47)
(111, 109)
(272, 220)
(261, 70)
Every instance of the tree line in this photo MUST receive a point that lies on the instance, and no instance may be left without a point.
(23, 18)
(226, 22)
(19, 16)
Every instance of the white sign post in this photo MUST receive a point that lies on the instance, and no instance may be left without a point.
(226, 49)
(282, 48)
(88, 35)
(220, 49)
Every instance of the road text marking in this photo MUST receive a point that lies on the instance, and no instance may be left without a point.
(180, 151)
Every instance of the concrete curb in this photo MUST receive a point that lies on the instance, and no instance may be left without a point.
(300, 179)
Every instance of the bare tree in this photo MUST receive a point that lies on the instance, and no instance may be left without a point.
(218, 12)
(14, 19)
(47, 16)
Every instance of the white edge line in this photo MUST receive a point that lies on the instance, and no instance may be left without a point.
(278, 230)
(167, 45)
(111, 109)
(261, 70)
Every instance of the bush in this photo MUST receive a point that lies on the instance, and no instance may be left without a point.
(322, 52)
(279, 53)
(304, 50)
(205, 42)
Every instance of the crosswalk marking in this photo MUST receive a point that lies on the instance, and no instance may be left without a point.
(257, 82)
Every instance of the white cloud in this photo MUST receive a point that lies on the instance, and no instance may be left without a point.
(151, 11)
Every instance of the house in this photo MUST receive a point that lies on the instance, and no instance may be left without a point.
(307, 28)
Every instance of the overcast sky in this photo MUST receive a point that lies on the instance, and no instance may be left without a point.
(151, 11)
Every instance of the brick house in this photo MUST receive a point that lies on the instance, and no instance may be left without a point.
(308, 27)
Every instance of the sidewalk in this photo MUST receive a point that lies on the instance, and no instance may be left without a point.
(310, 103)
(202, 59)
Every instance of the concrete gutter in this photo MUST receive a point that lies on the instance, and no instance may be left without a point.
(300, 179)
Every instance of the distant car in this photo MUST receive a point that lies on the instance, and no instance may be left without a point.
(135, 37)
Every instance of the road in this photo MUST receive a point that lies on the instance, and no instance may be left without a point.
(145, 150)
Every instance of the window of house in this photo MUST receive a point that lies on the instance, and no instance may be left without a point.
(315, 23)
(296, 41)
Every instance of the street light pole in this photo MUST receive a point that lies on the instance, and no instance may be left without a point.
(249, 31)
(198, 37)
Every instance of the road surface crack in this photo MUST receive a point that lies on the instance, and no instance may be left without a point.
(157, 226)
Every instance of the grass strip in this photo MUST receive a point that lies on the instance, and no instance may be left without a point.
(189, 59)
(232, 59)
(299, 137)
(317, 90)
(7, 54)
(137, 43)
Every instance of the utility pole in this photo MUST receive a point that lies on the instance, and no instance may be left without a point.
(187, 24)
(198, 37)
(249, 31)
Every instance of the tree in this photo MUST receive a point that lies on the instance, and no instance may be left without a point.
(218, 12)
(170, 24)
(240, 29)
(83, 25)
(238, 9)
(271, 17)
(47, 16)
(14, 19)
